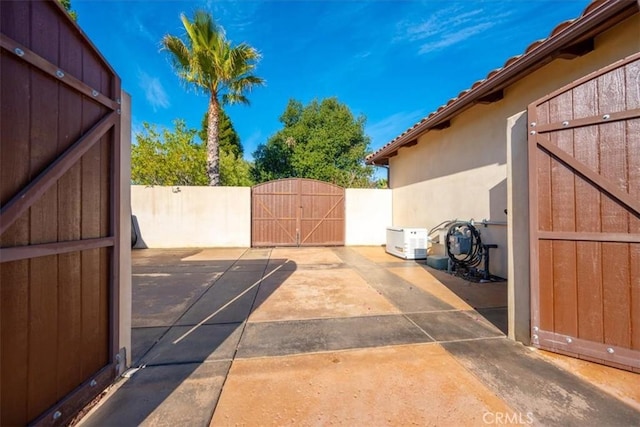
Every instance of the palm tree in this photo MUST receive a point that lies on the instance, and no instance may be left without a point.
(209, 62)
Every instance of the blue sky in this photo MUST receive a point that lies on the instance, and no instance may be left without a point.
(393, 61)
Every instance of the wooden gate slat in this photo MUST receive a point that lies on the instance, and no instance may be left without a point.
(53, 71)
(589, 284)
(14, 348)
(567, 123)
(585, 217)
(37, 187)
(295, 212)
(599, 181)
(335, 205)
(59, 294)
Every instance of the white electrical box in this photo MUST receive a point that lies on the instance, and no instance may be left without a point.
(407, 243)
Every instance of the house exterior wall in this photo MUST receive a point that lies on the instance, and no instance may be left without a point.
(461, 172)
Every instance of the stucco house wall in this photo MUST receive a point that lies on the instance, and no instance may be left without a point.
(461, 172)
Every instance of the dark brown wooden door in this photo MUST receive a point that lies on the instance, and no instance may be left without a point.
(584, 168)
(297, 212)
(59, 170)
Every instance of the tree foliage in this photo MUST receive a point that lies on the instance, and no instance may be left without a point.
(173, 157)
(67, 6)
(228, 138)
(206, 60)
(168, 157)
(322, 140)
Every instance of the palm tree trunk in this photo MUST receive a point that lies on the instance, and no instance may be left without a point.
(213, 147)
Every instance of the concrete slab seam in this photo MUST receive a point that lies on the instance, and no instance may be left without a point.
(244, 326)
(175, 322)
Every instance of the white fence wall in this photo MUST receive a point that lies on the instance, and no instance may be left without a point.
(182, 217)
(368, 214)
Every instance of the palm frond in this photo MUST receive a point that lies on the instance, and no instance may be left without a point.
(234, 98)
(208, 61)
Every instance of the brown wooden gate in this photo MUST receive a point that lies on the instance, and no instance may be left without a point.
(584, 169)
(297, 212)
(59, 195)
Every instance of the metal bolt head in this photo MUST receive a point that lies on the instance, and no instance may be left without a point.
(94, 93)
(18, 51)
(535, 337)
(536, 329)
(532, 124)
(93, 383)
(59, 74)
(119, 101)
(610, 350)
(533, 132)
(57, 415)
(606, 117)
(568, 340)
(565, 123)
(118, 111)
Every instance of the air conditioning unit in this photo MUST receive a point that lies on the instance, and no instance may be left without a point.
(407, 243)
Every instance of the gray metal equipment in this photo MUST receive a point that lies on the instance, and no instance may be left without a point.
(466, 252)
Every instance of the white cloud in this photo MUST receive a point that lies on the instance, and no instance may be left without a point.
(450, 39)
(143, 30)
(448, 27)
(153, 91)
(388, 128)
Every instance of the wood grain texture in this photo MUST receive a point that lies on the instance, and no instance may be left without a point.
(14, 341)
(55, 308)
(546, 286)
(589, 291)
(588, 184)
(294, 212)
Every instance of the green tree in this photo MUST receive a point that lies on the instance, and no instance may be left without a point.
(228, 138)
(322, 140)
(207, 61)
(67, 6)
(168, 157)
(234, 171)
(173, 157)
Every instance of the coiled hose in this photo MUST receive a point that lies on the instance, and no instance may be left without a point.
(474, 257)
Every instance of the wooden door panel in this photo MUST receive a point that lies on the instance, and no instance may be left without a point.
(59, 195)
(297, 212)
(585, 217)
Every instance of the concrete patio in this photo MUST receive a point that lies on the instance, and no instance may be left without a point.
(344, 336)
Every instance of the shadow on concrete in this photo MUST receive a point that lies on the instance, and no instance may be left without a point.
(488, 299)
(188, 316)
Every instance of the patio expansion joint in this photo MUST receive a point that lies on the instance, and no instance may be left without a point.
(340, 350)
(175, 322)
(418, 326)
(243, 328)
(186, 362)
(360, 316)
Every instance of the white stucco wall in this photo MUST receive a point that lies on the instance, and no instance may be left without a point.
(519, 300)
(368, 214)
(175, 217)
(171, 217)
(124, 258)
(461, 172)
